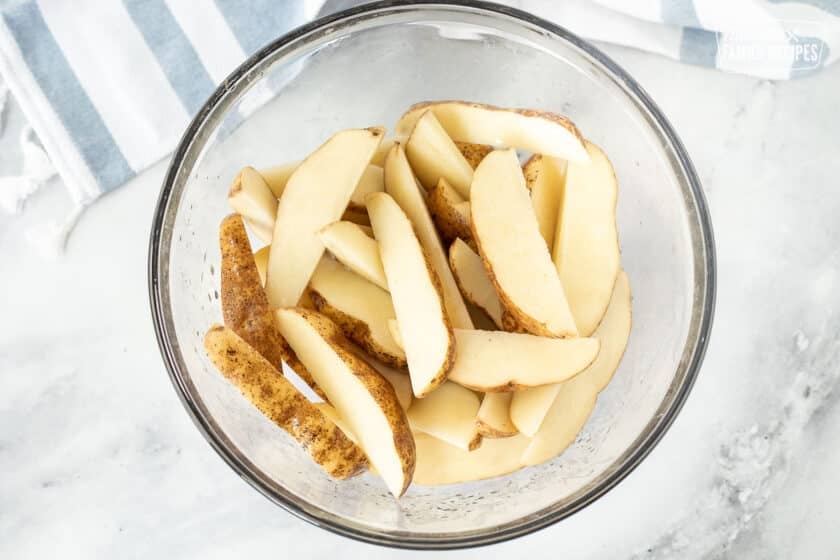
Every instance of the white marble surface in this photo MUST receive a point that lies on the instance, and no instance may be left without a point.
(99, 460)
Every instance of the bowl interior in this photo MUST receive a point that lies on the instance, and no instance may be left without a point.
(364, 70)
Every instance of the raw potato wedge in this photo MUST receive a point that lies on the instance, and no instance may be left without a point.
(359, 252)
(399, 380)
(506, 232)
(277, 176)
(544, 177)
(250, 196)
(316, 195)
(261, 260)
(498, 361)
(359, 308)
(363, 398)
(244, 305)
(416, 294)
(434, 156)
(450, 212)
(538, 132)
(382, 151)
(563, 422)
(528, 408)
(586, 251)
(474, 153)
(283, 404)
(394, 327)
(439, 463)
(473, 280)
(330, 412)
(402, 186)
(449, 414)
(371, 181)
(493, 419)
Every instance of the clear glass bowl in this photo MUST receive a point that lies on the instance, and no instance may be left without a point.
(364, 67)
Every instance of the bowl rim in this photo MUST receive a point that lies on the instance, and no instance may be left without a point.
(630, 459)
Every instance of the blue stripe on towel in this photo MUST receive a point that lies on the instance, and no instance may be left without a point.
(830, 6)
(62, 89)
(699, 46)
(258, 22)
(173, 50)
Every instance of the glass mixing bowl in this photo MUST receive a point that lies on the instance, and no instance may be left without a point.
(363, 67)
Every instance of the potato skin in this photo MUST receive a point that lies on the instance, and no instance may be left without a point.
(283, 404)
(488, 431)
(450, 223)
(473, 153)
(245, 306)
(378, 386)
(356, 330)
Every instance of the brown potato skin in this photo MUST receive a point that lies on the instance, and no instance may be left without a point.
(488, 431)
(245, 307)
(356, 330)
(450, 223)
(283, 404)
(378, 386)
(473, 153)
(531, 170)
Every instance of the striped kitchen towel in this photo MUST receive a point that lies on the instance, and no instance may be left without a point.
(109, 85)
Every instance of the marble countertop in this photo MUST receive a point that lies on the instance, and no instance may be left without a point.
(98, 459)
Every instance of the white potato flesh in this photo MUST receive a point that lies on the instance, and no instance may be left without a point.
(316, 195)
(439, 463)
(434, 156)
(402, 186)
(424, 327)
(251, 197)
(508, 237)
(372, 181)
(545, 176)
(494, 416)
(586, 251)
(354, 248)
(501, 361)
(352, 295)
(528, 408)
(473, 280)
(448, 413)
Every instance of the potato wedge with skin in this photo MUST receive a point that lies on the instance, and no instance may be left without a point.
(283, 404)
(514, 253)
(261, 260)
(493, 419)
(544, 177)
(433, 155)
(450, 212)
(402, 186)
(360, 309)
(528, 408)
(498, 361)
(316, 195)
(250, 196)
(439, 463)
(399, 381)
(538, 132)
(416, 294)
(330, 412)
(473, 281)
(352, 247)
(586, 251)
(372, 181)
(474, 153)
(449, 413)
(363, 398)
(245, 307)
